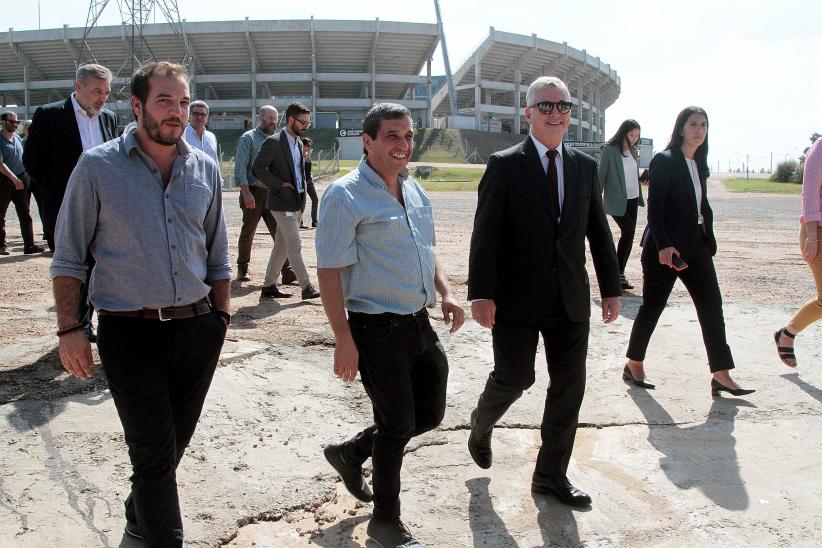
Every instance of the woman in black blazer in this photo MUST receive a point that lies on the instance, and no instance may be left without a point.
(679, 243)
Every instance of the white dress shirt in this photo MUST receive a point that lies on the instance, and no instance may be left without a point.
(91, 134)
(631, 171)
(207, 143)
(694, 170)
(542, 150)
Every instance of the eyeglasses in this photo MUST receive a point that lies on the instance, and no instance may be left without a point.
(545, 107)
(12, 122)
(303, 123)
(199, 114)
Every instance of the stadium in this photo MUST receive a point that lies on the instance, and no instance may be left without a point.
(338, 68)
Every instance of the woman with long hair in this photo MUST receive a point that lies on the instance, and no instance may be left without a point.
(810, 230)
(679, 243)
(622, 193)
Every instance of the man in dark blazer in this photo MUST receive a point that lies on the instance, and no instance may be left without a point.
(538, 202)
(280, 166)
(58, 135)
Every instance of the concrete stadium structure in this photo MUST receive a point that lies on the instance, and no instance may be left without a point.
(496, 76)
(338, 68)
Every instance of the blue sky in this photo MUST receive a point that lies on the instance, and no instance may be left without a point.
(755, 66)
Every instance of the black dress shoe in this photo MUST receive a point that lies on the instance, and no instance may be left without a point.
(314, 224)
(562, 489)
(624, 283)
(391, 533)
(628, 376)
(133, 530)
(4, 250)
(480, 446)
(310, 292)
(717, 387)
(350, 474)
(273, 292)
(288, 277)
(32, 249)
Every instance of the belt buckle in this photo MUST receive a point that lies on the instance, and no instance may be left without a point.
(160, 314)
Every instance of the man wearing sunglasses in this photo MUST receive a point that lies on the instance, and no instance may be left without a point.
(14, 184)
(538, 202)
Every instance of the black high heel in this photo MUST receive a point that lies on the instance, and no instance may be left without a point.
(717, 387)
(626, 375)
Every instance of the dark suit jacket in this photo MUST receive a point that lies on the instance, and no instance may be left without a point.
(672, 215)
(53, 148)
(273, 166)
(520, 257)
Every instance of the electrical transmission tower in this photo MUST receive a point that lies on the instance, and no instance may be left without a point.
(134, 15)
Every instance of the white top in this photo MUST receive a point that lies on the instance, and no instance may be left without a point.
(697, 187)
(91, 134)
(631, 171)
(207, 143)
(542, 150)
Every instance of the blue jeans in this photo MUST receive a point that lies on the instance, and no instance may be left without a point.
(405, 373)
(159, 374)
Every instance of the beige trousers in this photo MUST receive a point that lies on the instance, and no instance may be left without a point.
(811, 311)
(287, 244)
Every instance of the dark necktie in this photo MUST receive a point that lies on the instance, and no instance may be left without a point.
(553, 182)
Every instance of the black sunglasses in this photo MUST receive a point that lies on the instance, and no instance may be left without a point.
(12, 122)
(545, 107)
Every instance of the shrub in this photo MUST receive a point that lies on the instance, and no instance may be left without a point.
(785, 172)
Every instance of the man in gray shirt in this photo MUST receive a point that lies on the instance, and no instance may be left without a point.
(14, 184)
(149, 207)
(375, 258)
(254, 194)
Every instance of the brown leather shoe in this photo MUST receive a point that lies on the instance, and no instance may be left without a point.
(273, 292)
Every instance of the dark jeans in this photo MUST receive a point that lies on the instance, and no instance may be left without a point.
(20, 199)
(251, 218)
(627, 229)
(315, 202)
(515, 348)
(159, 373)
(405, 373)
(700, 281)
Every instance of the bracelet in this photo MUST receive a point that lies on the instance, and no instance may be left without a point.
(811, 240)
(224, 315)
(69, 329)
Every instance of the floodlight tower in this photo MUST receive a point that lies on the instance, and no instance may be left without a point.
(452, 96)
(134, 15)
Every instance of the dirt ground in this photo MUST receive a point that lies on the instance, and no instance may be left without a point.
(670, 467)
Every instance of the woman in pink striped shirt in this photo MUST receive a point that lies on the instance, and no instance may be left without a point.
(809, 236)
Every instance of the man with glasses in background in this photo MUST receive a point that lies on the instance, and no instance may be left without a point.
(538, 202)
(196, 133)
(14, 184)
(280, 166)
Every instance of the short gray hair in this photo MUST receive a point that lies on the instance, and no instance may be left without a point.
(545, 82)
(91, 70)
(198, 103)
(264, 108)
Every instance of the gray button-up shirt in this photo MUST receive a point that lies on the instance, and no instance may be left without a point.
(154, 247)
(385, 251)
(247, 148)
(11, 153)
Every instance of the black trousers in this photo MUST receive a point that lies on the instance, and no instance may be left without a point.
(20, 199)
(405, 373)
(700, 281)
(515, 348)
(159, 374)
(627, 229)
(315, 201)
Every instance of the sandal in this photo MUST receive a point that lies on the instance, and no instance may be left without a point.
(786, 353)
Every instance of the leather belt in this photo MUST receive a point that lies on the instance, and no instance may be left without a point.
(182, 312)
(418, 313)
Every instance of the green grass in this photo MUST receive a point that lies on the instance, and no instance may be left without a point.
(763, 186)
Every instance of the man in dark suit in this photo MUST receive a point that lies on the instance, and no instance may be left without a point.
(60, 132)
(538, 202)
(280, 166)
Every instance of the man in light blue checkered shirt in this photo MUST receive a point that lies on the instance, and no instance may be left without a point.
(375, 257)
